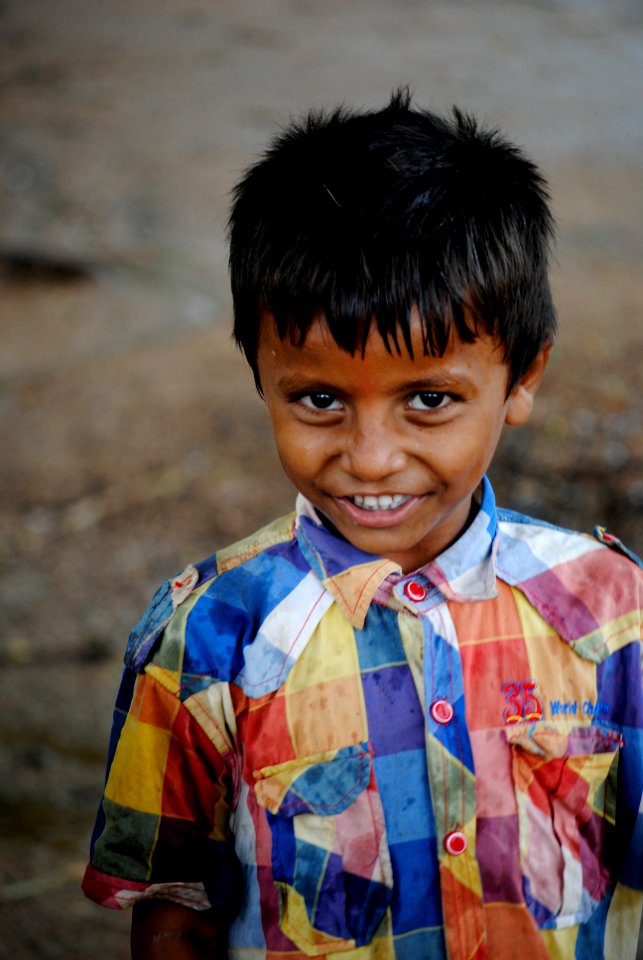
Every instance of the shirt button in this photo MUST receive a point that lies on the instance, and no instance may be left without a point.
(442, 711)
(455, 843)
(414, 591)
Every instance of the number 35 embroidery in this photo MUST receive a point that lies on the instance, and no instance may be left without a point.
(522, 702)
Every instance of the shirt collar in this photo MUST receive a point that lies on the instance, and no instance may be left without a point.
(464, 572)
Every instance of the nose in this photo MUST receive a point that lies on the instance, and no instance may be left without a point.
(374, 451)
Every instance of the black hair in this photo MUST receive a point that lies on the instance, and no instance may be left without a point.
(360, 216)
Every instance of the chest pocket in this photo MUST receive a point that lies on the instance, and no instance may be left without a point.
(566, 793)
(330, 859)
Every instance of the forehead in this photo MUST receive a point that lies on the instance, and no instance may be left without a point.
(319, 357)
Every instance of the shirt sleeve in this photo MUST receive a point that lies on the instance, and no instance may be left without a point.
(163, 824)
(632, 753)
(631, 773)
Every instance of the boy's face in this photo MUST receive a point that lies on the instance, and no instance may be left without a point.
(390, 449)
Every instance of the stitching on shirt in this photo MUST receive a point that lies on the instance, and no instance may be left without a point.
(192, 710)
(356, 789)
(327, 576)
(450, 652)
(300, 531)
(560, 625)
(197, 708)
(256, 547)
(276, 676)
(556, 621)
(362, 591)
(614, 634)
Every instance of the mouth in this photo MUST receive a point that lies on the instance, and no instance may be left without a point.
(378, 511)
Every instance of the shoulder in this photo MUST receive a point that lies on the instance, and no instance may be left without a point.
(587, 587)
(530, 546)
(218, 576)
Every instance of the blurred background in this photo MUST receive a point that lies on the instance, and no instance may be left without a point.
(131, 438)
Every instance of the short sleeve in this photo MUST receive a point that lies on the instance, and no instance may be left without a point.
(163, 824)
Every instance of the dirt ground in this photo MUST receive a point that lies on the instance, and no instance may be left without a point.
(132, 440)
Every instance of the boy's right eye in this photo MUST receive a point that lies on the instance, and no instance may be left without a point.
(320, 401)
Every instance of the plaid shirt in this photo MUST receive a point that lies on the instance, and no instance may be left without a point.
(348, 761)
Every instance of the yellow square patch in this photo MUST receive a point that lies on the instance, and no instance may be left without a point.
(330, 653)
(136, 775)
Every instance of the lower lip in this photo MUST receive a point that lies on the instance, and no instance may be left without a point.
(377, 518)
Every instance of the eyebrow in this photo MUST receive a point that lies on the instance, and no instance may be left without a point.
(435, 383)
(438, 382)
(297, 383)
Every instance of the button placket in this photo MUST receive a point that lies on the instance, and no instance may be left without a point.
(450, 774)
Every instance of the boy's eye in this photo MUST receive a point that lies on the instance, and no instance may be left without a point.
(320, 401)
(429, 401)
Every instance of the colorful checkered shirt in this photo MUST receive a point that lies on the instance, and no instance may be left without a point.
(347, 761)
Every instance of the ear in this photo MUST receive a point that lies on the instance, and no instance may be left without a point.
(521, 399)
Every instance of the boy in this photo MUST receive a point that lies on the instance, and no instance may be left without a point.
(399, 723)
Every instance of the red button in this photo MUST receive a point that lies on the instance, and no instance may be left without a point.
(414, 591)
(455, 843)
(442, 711)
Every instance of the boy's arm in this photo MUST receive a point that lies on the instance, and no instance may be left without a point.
(162, 930)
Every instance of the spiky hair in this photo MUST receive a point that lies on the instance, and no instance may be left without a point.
(360, 216)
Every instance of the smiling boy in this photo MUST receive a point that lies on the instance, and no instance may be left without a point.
(343, 736)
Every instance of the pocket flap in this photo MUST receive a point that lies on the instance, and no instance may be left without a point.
(325, 784)
(548, 742)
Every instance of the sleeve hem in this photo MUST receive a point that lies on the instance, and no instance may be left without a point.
(119, 894)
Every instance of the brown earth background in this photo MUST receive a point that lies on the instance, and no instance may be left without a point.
(131, 438)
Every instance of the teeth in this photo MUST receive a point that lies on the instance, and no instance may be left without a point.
(386, 502)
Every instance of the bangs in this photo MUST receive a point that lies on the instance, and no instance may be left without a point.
(351, 317)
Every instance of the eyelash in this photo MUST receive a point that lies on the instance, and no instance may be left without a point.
(332, 399)
(301, 398)
(441, 397)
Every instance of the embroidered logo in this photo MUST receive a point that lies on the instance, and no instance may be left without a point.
(573, 708)
(522, 702)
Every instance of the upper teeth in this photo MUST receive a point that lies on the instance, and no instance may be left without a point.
(386, 502)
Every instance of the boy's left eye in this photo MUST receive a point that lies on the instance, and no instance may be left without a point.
(429, 401)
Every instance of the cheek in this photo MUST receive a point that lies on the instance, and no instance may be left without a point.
(299, 454)
(466, 454)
